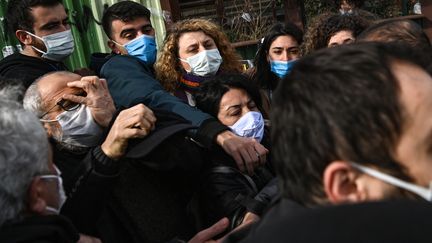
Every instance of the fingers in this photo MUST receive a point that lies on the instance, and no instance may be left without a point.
(142, 110)
(239, 161)
(247, 152)
(252, 154)
(250, 159)
(138, 121)
(75, 98)
(210, 232)
(135, 122)
(89, 83)
(103, 83)
(262, 152)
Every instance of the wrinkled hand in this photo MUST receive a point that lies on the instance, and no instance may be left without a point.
(135, 122)
(247, 152)
(207, 234)
(88, 239)
(98, 98)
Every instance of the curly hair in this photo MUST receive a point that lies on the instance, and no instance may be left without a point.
(318, 37)
(168, 68)
(313, 31)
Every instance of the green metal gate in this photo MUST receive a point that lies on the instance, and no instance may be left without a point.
(88, 34)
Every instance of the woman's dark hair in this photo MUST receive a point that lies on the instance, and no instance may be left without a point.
(211, 91)
(262, 76)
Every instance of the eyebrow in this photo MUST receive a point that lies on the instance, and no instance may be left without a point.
(208, 41)
(131, 29)
(45, 26)
(125, 31)
(233, 107)
(192, 46)
(239, 105)
(282, 48)
(205, 42)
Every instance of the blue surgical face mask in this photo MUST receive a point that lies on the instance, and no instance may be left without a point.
(282, 68)
(143, 47)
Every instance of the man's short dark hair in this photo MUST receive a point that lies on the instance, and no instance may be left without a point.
(19, 13)
(125, 11)
(338, 103)
(395, 30)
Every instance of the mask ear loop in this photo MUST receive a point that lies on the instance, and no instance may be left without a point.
(37, 49)
(115, 42)
(423, 192)
(186, 61)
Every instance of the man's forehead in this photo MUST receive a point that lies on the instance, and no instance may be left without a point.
(118, 25)
(46, 14)
(54, 83)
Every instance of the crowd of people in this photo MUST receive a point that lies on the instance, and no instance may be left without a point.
(325, 139)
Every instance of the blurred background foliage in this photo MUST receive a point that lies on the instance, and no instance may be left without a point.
(381, 8)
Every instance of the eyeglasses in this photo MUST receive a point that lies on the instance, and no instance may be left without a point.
(65, 105)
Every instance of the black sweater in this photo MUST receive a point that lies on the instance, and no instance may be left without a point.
(26, 69)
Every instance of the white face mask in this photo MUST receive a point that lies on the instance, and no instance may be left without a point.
(61, 192)
(58, 46)
(423, 192)
(250, 125)
(204, 63)
(79, 128)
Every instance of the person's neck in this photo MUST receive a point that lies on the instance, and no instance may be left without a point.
(29, 51)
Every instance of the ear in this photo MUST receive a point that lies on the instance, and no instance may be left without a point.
(113, 47)
(341, 183)
(49, 129)
(23, 37)
(36, 201)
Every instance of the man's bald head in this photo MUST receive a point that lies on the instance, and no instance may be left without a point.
(47, 90)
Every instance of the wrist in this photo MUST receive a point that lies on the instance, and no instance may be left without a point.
(109, 152)
(223, 136)
(104, 165)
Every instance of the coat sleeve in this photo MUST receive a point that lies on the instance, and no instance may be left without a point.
(131, 82)
(91, 191)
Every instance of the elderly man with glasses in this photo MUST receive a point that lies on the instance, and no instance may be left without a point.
(116, 192)
(74, 111)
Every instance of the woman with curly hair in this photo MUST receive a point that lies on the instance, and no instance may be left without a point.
(194, 50)
(334, 30)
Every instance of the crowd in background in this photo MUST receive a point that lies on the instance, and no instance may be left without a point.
(326, 138)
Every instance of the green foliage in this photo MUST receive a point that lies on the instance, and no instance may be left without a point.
(383, 9)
